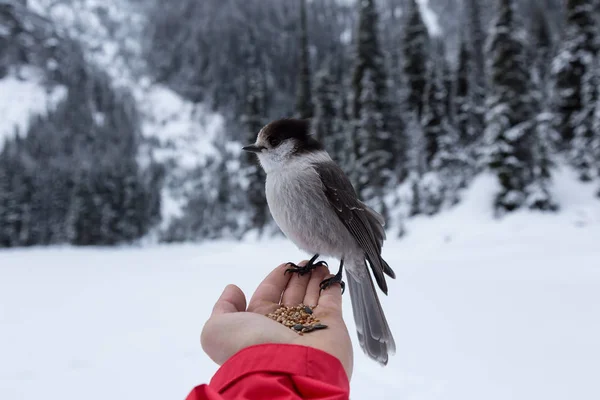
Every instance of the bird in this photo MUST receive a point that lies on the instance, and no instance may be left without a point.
(315, 205)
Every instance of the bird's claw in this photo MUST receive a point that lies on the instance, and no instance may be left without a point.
(303, 270)
(326, 284)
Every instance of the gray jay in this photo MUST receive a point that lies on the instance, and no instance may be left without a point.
(315, 205)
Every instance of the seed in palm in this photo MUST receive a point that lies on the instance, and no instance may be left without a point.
(299, 319)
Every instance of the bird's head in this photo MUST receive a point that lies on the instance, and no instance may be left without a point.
(284, 141)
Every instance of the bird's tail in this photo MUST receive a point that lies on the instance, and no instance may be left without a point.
(374, 334)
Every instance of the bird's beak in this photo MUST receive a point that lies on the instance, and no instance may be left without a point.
(253, 148)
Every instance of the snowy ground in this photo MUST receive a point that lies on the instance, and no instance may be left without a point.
(481, 309)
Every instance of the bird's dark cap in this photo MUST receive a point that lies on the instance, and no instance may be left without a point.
(292, 128)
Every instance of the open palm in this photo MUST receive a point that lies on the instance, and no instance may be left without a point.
(233, 326)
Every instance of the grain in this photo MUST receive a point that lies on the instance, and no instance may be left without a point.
(299, 319)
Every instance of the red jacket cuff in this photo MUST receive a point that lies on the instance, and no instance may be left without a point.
(281, 358)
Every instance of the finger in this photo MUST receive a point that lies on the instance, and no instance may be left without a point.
(311, 298)
(270, 289)
(296, 288)
(331, 298)
(232, 300)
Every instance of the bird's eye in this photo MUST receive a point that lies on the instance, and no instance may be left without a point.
(274, 141)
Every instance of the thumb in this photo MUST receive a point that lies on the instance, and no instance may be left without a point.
(232, 300)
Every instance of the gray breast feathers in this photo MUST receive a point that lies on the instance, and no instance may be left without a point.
(300, 208)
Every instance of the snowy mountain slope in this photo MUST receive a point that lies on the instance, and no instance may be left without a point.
(481, 309)
(24, 97)
(178, 132)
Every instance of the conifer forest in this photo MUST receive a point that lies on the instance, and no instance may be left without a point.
(414, 100)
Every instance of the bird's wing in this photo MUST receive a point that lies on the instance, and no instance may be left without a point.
(365, 225)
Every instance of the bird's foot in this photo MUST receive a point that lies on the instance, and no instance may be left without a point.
(303, 270)
(337, 278)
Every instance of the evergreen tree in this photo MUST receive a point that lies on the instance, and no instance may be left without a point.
(582, 150)
(571, 66)
(9, 202)
(416, 54)
(462, 100)
(510, 109)
(5, 172)
(540, 197)
(443, 178)
(475, 39)
(373, 143)
(216, 206)
(543, 46)
(373, 161)
(595, 145)
(434, 118)
(417, 166)
(444, 75)
(545, 136)
(88, 211)
(434, 124)
(448, 83)
(196, 222)
(328, 122)
(368, 56)
(253, 122)
(226, 218)
(304, 107)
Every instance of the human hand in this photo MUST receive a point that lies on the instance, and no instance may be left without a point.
(233, 327)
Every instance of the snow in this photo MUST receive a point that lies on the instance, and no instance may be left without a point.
(24, 97)
(185, 133)
(185, 130)
(481, 309)
(430, 18)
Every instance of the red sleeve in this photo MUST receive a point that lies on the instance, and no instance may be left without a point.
(277, 371)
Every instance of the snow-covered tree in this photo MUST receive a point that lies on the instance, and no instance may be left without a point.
(571, 66)
(253, 119)
(216, 205)
(543, 45)
(416, 163)
(10, 197)
(329, 122)
(373, 143)
(304, 106)
(444, 176)
(447, 77)
(462, 98)
(582, 152)
(368, 56)
(595, 144)
(510, 103)
(416, 55)
(545, 136)
(374, 161)
(475, 38)
(543, 152)
(434, 119)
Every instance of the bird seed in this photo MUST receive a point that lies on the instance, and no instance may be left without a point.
(299, 319)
